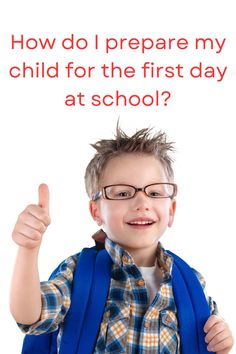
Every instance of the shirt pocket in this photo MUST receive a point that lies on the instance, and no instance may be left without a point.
(114, 328)
(169, 337)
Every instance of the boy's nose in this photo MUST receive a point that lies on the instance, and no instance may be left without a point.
(141, 201)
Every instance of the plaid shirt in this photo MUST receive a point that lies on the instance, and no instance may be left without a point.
(129, 324)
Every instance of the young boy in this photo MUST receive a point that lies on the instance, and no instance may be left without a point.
(132, 198)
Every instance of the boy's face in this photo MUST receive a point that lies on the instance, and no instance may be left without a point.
(117, 217)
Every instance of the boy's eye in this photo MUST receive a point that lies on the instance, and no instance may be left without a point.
(154, 194)
(123, 194)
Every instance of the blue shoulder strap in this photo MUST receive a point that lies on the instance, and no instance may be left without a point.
(97, 302)
(92, 280)
(82, 282)
(45, 343)
(192, 307)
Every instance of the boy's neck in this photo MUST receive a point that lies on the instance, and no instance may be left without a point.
(143, 257)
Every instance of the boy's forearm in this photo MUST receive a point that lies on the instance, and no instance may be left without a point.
(25, 299)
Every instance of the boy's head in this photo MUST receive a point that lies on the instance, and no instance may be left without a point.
(142, 142)
(130, 184)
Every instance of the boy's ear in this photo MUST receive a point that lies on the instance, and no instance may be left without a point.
(94, 211)
(172, 212)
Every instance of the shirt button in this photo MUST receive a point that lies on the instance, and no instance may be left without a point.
(125, 260)
(168, 319)
(107, 314)
(146, 324)
(140, 282)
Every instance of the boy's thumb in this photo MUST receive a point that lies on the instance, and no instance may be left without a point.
(44, 197)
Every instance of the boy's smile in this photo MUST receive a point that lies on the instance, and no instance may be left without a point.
(136, 224)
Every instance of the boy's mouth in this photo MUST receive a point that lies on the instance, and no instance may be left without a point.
(141, 222)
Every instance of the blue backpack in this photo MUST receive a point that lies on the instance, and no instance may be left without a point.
(91, 286)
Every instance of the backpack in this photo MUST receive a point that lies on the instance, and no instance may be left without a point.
(91, 286)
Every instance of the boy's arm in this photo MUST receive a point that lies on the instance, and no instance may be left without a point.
(25, 297)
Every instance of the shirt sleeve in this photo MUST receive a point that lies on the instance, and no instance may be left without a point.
(56, 299)
(212, 305)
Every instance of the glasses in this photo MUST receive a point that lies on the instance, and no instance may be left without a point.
(125, 191)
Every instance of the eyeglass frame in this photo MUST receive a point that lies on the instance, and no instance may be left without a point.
(102, 192)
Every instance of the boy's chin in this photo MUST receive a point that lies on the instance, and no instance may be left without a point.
(139, 244)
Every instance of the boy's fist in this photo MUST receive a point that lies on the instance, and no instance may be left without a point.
(33, 221)
(218, 335)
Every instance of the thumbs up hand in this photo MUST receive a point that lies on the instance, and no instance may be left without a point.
(33, 221)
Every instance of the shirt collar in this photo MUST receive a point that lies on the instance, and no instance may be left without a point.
(122, 258)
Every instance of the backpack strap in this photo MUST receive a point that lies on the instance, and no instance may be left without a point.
(89, 293)
(97, 302)
(192, 307)
(82, 282)
(44, 343)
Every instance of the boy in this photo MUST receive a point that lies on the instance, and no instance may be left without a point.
(132, 198)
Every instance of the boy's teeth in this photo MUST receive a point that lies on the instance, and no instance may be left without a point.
(140, 222)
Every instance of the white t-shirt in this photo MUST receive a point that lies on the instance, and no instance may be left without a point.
(152, 278)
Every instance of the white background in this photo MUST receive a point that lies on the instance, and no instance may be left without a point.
(42, 140)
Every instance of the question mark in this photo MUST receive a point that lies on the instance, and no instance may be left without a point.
(166, 98)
